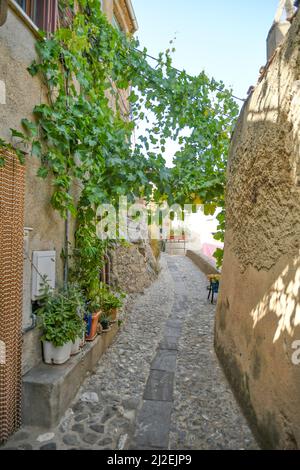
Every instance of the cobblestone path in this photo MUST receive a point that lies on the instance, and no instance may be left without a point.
(159, 386)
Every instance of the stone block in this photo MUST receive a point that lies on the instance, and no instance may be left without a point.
(159, 386)
(153, 425)
(169, 342)
(165, 360)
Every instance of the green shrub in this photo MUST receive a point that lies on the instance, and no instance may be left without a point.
(61, 315)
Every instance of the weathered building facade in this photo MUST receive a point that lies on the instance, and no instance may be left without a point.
(43, 230)
(258, 313)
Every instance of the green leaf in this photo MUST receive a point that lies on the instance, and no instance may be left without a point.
(219, 236)
(20, 156)
(218, 255)
(42, 172)
(3, 144)
(36, 149)
(16, 133)
(209, 209)
(33, 69)
(30, 127)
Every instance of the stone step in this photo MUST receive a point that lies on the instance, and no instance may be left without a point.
(48, 390)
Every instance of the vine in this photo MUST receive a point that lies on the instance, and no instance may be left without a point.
(100, 87)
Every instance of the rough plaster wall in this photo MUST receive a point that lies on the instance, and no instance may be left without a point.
(258, 312)
(263, 195)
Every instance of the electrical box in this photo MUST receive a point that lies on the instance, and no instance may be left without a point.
(43, 267)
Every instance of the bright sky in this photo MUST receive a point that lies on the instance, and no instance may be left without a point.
(226, 38)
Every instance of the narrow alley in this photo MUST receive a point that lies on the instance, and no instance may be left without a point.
(160, 385)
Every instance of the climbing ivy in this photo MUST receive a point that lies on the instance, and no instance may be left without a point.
(100, 87)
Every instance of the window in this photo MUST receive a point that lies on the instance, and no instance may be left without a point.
(42, 12)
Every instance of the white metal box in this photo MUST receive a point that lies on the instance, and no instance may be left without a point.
(43, 267)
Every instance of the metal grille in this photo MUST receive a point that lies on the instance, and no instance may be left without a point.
(12, 188)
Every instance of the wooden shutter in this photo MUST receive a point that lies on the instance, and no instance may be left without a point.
(45, 14)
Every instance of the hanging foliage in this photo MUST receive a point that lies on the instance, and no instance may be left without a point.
(100, 87)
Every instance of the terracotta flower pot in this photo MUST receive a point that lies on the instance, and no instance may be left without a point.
(94, 325)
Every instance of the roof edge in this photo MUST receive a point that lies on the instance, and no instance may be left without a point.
(132, 15)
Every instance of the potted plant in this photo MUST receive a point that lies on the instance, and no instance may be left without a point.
(92, 319)
(61, 325)
(111, 302)
(105, 322)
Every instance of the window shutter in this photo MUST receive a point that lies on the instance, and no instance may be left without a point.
(66, 16)
(44, 13)
(52, 16)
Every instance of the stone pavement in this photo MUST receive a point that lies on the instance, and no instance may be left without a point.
(159, 386)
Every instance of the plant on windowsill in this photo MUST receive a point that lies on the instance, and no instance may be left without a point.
(61, 320)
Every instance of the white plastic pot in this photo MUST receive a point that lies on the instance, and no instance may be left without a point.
(56, 355)
(76, 346)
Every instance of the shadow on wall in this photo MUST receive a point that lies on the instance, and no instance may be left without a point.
(257, 325)
(283, 301)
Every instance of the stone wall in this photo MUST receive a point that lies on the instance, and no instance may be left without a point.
(133, 267)
(258, 312)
